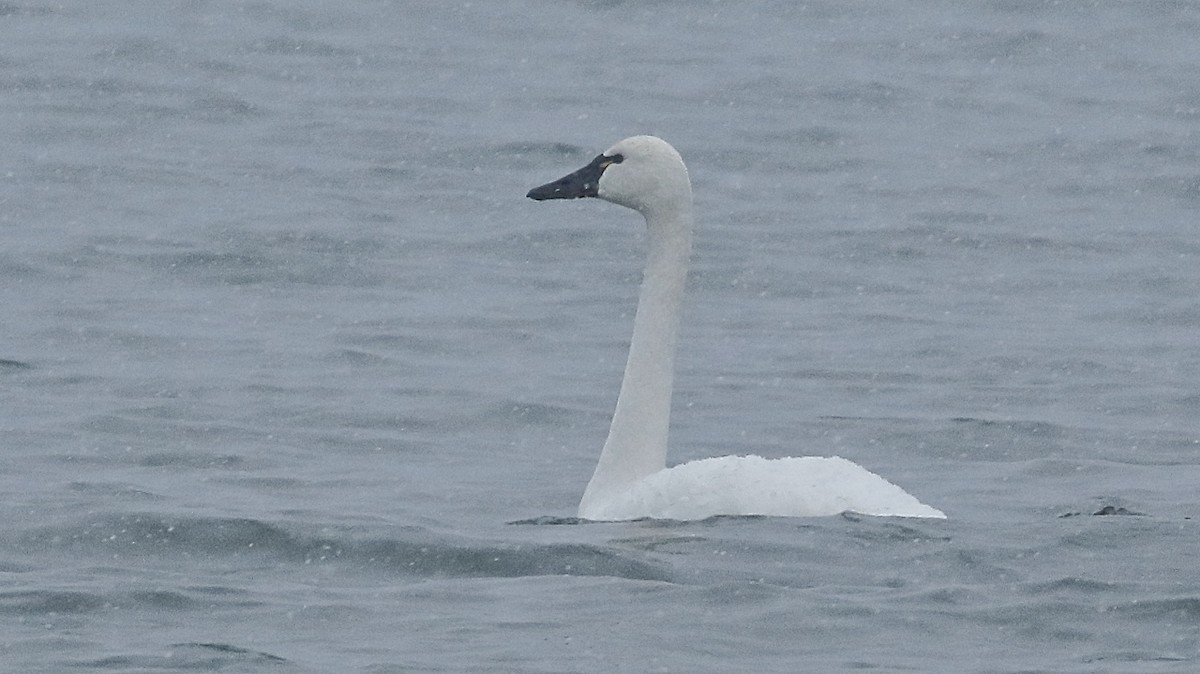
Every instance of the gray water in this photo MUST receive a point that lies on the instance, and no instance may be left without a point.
(295, 379)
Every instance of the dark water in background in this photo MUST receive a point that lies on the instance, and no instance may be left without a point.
(285, 349)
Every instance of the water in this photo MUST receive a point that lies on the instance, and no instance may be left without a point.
(285, 351)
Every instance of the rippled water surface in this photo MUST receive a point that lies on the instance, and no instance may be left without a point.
(294, 378)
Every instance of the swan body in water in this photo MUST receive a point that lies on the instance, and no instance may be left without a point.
(631, 480)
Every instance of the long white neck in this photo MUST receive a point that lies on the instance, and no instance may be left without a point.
(637, 439)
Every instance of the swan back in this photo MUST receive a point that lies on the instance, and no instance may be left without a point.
(808, 486)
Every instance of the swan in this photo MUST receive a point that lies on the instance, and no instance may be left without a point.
(631, 480)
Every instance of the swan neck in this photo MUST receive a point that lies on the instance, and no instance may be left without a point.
(637, 440)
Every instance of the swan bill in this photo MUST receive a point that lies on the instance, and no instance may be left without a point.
(582, 183)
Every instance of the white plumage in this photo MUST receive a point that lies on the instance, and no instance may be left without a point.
(631, 479)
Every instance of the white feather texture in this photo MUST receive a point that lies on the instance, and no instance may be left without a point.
(631, 480)
(808, 486)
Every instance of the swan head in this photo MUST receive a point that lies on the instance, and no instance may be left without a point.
(643, 173)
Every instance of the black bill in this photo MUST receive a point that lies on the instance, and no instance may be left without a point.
(583, 183)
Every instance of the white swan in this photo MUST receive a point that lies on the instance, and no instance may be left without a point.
(631, 480)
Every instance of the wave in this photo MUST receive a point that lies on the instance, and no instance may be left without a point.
(197, 656)
(403, 550)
